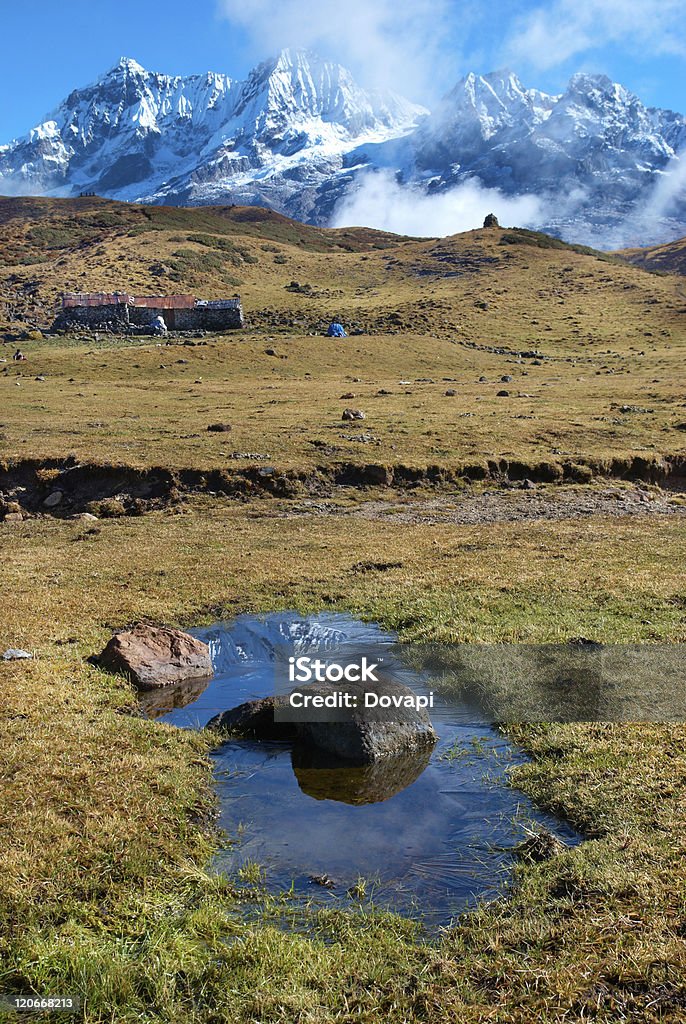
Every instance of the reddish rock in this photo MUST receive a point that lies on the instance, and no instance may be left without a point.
(153, 656)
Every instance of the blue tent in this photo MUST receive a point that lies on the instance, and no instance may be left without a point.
(336, 330)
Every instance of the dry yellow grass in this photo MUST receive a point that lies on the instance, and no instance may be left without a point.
(612, 339)
(151, 406)
(103, 892)
(491, 582)
(104, 837)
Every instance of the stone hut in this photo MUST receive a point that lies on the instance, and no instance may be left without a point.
(121, 312)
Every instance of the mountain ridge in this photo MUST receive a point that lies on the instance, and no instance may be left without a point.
(299, 135)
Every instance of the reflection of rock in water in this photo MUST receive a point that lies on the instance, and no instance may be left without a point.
(156, 703)
(326, 777)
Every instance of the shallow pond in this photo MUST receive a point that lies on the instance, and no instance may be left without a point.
(429, 838)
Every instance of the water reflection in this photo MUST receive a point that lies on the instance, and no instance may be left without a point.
(163, 700)
(325, 777)
(430, 833)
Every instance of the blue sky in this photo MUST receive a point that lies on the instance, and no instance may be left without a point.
(419, 47)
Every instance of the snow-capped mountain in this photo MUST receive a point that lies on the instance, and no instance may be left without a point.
(299, 135)
(606, 166)
(139, 135)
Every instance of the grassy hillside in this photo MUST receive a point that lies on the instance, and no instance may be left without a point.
(593, 347)
(669, 258)
(53, 245)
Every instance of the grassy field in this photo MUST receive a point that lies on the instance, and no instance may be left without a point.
(607, 381)
(106, 818)
(105, 890)
(148, 405)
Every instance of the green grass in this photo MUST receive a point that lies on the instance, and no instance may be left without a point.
(104, 887)
(523, 236)
(107, 819)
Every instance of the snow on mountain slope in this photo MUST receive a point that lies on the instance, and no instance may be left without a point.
(134, 134)
(594, 154)
(299, 135)
(125, 128)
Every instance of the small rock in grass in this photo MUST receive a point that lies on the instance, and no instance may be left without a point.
(219, 428)
(53, 499)
(353, 414)
(502, 394)
(16, 654)
(450, 393)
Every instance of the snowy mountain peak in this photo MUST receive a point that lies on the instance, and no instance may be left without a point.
(127, 65)
(298, 87)
(483, 106)
(135, 133)
(583, 83)
(501, 82)
(298, 134)
(290, 58)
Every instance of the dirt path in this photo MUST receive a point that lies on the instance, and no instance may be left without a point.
(497, 506)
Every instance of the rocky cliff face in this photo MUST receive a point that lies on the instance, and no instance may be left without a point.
(298, 132)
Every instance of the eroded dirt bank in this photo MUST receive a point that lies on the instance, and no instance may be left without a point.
(64, 488)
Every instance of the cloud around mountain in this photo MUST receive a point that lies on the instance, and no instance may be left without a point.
(299, 135)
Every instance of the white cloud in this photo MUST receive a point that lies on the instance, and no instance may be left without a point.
(652, 221)
(551, 34)
(15, 186)
(386, 43)
(380, 202)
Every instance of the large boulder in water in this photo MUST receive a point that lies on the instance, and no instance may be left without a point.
(358, 734)
(364, 734)
(255, 720)
(153, 656)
